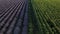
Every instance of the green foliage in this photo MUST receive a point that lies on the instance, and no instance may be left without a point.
(47, 14)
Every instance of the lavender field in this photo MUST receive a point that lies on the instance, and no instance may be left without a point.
(13, 16)
(29, 16)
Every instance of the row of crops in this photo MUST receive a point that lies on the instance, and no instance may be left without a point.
(44, 17)
(14, 17)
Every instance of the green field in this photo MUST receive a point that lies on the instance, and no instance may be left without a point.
(44, 17)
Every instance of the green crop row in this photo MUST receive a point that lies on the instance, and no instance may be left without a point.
(47, 13)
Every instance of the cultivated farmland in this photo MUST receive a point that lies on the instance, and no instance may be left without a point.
(29, 16)
(13, 16)
(45, 16)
